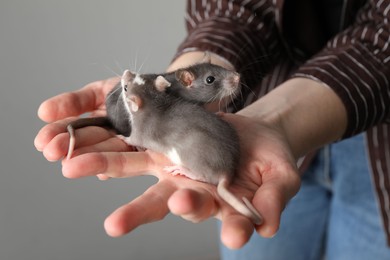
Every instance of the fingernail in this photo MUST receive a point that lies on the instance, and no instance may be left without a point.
(268, 232)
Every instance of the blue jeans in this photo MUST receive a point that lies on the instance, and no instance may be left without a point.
(334, 215)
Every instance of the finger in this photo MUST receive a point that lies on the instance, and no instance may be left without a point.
(112, 164)
(272, 197)
(57, 148)
(112, 144)
(48, 132)
(87, 136)
(76, 103)
(236, 229)
(192, 205)
(149, 207)
(103, 177)
(199, 205)
(270, 203)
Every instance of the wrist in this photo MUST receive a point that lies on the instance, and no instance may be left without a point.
(308, 113)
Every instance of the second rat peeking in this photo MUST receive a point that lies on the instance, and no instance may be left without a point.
(164, 113)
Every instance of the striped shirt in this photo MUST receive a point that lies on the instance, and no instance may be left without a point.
(342, 43)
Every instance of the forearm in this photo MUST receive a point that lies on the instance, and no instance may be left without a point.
(309, 113)
(355, 64)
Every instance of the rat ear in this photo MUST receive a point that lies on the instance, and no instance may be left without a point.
(161, 83)
(185, 77)
(135, 103)
(206, 57)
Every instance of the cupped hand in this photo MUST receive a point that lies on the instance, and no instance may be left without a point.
(267, 172)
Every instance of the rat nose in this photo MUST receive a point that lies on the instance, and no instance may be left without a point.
(235, 78)
(127, 76)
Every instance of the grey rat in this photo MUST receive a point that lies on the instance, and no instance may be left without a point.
(203, 83)
(202, 146)
(200, 83)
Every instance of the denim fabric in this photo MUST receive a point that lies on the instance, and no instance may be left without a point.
(334, 215)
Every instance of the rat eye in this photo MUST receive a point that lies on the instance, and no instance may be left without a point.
(210, 79)
(125, 87)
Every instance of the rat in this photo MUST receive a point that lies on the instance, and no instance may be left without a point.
(199, 143)
(204, 83)
(200, 83)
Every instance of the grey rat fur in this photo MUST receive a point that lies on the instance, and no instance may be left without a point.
(200, 83)
(202, 146)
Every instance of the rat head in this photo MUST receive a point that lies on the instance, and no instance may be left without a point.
(138, 88)
(207, 82)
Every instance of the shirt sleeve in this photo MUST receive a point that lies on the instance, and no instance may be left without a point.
(356, 65)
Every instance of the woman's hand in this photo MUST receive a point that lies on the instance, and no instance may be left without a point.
(274, 132)
(267, 171)
(267, 174)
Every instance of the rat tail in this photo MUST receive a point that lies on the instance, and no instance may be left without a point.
(80, 123)
(72, 141)
(243, 206)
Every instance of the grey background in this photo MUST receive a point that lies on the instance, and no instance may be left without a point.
(50, 47)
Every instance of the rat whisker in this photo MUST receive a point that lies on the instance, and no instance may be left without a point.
(111, 70)
(257, 60)
(244, 47)
(214, 99)
(232, 102)
(249, 88)
(135, 60)
(211, 99)
(227, 105)
(241, 95)
(143, 63)
(219, 105)
(118, 65)
(113, 92)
